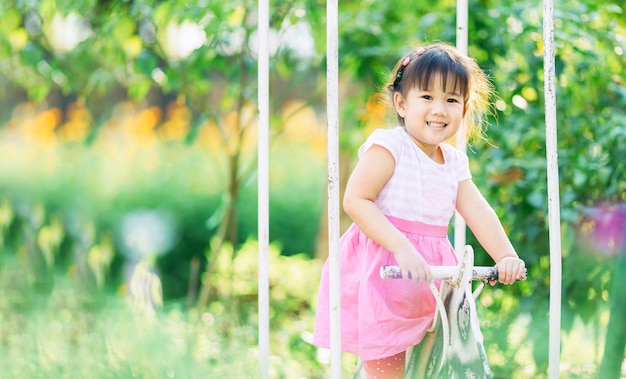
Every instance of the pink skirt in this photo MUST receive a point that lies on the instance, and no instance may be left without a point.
(381, 317)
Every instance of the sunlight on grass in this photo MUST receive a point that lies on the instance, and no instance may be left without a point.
(72, 331)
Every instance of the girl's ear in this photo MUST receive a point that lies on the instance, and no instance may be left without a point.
(399, 104)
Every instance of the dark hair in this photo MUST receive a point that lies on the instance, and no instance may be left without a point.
(420, 66)
(423, 64)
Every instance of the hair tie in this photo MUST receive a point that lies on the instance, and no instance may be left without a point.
(405, 63)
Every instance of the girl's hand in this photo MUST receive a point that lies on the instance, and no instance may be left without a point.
(413, 265)
(510, 269)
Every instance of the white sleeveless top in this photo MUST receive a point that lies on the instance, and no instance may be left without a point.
(420, 189)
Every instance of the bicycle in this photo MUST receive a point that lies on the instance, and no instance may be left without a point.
(453, 346)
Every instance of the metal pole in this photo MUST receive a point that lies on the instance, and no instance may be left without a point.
(332, 109)
(554, 216)
(263, 188)
(461, 45)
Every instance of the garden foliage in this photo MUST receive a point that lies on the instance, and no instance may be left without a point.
(128, 162)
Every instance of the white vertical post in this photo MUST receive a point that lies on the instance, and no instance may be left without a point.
(263, 187)
(332, 110)
(461, 45)
(554, 216)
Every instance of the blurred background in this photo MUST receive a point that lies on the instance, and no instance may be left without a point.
(128, 179)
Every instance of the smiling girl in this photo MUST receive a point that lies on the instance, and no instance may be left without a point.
(401, 197)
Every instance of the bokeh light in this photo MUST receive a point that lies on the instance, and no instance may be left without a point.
(603, 228)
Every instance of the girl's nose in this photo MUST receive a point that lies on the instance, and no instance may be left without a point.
(439, 109)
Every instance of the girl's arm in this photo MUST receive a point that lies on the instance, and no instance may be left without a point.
(367, 180)
(485, 224)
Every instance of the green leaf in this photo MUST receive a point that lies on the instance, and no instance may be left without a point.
(140, 89)
(39, 91)
(10, 20)
(146, 62)
(124, 28)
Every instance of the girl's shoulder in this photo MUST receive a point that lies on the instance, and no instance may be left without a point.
(391, 139)
(453, 154)
(396, 133)
(457, 161)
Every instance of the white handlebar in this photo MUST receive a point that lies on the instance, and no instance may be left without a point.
(449, 273)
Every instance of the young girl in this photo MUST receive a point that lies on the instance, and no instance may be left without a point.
(401, 197)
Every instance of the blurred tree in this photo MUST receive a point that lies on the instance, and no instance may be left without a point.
(197, 55)
(613, 358)
(591, 101)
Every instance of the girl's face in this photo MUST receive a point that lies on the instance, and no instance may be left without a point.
(431, 115)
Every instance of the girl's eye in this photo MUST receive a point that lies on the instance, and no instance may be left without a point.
(453, 101)
(427, 97)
